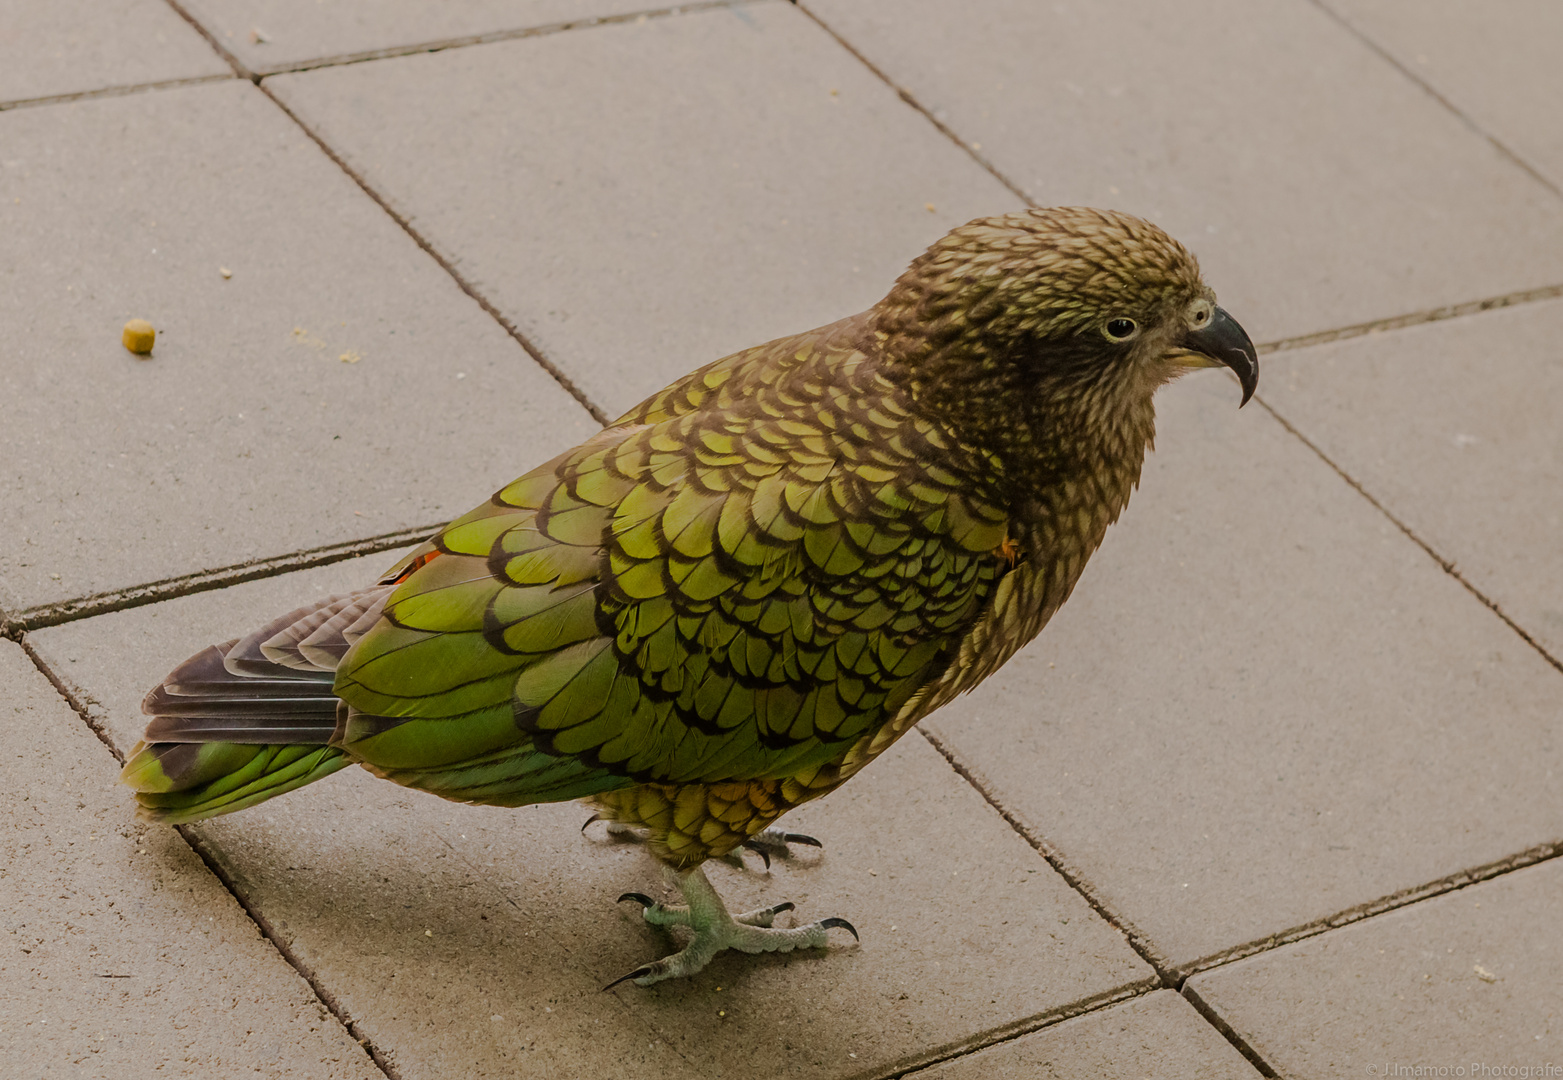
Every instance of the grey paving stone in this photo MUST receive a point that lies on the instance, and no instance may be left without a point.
(1497, 63)
(644, 198)
(1264, 705)
(75, 46)
(1471, 459)
(966, 931)
(1460, 985)
(244, 435)
(123, 955)
(1158, 1035)
(1319, 186)
(270, 35)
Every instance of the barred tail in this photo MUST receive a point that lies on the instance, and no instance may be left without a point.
(241, 722)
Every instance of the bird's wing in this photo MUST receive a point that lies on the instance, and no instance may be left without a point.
(727, 593)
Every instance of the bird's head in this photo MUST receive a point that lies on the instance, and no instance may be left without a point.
(1055, 327)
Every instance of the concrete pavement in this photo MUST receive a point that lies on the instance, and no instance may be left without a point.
(1280, 791)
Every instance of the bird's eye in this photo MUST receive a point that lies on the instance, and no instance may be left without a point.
(1200, 316)
(1121, 329)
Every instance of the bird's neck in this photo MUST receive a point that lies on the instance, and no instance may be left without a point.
(1066, 497)
(1056, 447)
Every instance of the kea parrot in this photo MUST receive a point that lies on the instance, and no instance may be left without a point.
(738, 594)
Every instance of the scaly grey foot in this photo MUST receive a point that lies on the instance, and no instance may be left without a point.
(715, 930)
(659, 914)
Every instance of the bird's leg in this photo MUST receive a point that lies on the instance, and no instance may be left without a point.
(716, 930)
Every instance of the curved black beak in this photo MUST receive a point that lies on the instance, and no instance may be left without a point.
(1224, 342)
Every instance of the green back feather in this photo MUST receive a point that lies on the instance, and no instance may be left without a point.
(744, 576)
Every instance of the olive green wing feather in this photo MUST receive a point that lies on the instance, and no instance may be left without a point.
(737, 590)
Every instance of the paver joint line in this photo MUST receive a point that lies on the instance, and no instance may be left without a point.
(1428, 89)
(1018, 1030)
(324, 995)
(462, 42)
(1448, 565)
(78, 706)
(1240, 1044)
(596, 411)
(1176, 979)
(1394, 902)
(906, 96)
(1137, 941)
(111, 91)
(1415, 318)
(328, 1000)
(1396, 322)
(231, 60)
(153, 592)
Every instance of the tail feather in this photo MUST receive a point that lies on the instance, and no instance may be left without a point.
(202, 700)
(177, 783)
(207, 672)
(328, 644)
(247, 720)
(274, 645)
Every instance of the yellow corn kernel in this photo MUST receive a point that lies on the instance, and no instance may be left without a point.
(138, 337)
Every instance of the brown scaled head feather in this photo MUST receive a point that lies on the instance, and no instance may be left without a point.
(1002, 331)
(1037, 274)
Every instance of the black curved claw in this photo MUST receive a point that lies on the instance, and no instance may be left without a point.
(639, 973)
(785, 905)
(756, 846)
(833, 923)
(800, 838)
(590, 822)
(640, 898)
